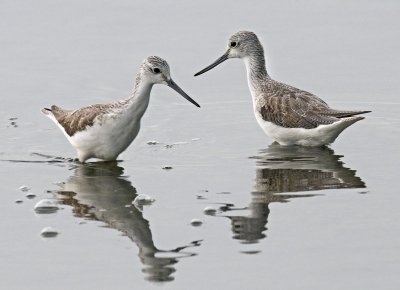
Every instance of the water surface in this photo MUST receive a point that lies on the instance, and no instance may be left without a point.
(286, 218)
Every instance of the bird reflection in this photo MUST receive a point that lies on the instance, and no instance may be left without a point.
(281, 172)
(99, 191)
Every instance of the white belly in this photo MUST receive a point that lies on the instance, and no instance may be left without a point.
(105, 140)
(322, 135)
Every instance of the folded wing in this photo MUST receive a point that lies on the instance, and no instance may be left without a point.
(290, 107)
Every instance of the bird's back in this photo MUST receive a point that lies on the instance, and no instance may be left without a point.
(290, 107)
(73, 121)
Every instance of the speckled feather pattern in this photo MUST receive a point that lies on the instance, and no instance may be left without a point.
(74, 121)
(103, 131)
(287, 114)
(289, 107)
(279, 103)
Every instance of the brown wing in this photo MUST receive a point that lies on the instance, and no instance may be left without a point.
(290, 107)
(78, 120)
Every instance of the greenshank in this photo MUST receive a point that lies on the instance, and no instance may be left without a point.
(103, 131)
(288, 115)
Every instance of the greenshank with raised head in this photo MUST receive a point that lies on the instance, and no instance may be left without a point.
(103, 131)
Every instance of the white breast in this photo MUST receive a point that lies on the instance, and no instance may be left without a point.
(107, 138)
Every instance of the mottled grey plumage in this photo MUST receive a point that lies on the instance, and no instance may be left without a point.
(293, 108)
(105, 130)
(280, 103)
(278, 106)
(74, 121)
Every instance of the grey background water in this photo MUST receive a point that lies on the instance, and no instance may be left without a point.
(287, 219)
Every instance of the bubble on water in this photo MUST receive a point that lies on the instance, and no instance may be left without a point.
(46, 206)
(128, 205)
(195, 139)
(24, 188)
(30, 195)
(152, 142)
(19, 201)
(209, 210)
(196, 222)
(143, 199)
(49, 232)
(167, 167)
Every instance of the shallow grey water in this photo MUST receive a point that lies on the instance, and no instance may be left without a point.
(286, 217)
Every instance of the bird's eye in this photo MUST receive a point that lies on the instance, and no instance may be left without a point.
(234, 44)
(156, 70)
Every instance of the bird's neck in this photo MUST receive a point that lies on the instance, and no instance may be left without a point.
(140, 97)
(256, 72)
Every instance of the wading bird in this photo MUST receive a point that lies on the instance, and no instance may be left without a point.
(103, 131)
(288, 115)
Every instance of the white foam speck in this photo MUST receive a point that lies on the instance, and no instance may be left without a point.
(24, 188)
(152, 142)
(143, 199)
(46, 206)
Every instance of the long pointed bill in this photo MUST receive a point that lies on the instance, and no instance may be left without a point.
(214, 64)
(176, 88)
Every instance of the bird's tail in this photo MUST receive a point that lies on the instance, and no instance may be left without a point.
(347, 121)
(343, 114)
(333, 131)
